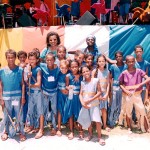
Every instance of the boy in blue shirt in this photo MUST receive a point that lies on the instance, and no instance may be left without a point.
(12, 94)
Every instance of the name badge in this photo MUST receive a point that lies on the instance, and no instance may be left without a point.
(51, 78)
(15, 103)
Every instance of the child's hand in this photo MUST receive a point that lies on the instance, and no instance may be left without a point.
(76, 78)
(105, 97)
(129, 93)
(85, 105)
(146, 102)
(69, 87)
(87, 102)
(29, 75)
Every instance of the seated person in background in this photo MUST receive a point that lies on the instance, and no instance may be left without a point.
(117, 8)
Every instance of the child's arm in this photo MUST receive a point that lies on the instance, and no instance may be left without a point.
(108, 87)
(1, 97)
(110, 60)
(38, 81)
(146, 100)
(23, 91)
(134, 87)
(81, 99)
(125, 90)
(93, 73)
(67, 82)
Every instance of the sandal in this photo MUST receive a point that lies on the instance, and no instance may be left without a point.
(81, 135)
(101, 142)
(71, 136)
(29, 129)
(22, 137)
(4, 137)
(39, 135)
(35, 130)
(53, 132)
(88, 138)
(58, 133)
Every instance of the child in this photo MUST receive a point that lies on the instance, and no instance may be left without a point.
(116, 92)
(62, 93)
(61, 54)
(89, 61)
(73, 105)
(35, 104)
(102, 73)
(50, 74)
(89, 97)
(141, 64)
(80, 58)
(22, 56)
(13, 93)
(52, 41)
(131, 84)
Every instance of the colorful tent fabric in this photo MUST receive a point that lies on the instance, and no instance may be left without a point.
(108, 38)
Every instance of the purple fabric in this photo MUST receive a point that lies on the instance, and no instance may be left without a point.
(129, 79)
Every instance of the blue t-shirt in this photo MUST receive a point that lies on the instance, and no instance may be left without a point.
(46, 51)
(49, 79)
(116, 71)
(12, 82)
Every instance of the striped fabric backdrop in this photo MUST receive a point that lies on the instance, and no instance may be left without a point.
(108, 38)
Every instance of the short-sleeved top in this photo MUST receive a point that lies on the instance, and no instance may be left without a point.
(12, 82)
(76, 84)
(143, 65)
(62, 81)
(132, 78)
(49, 79)
(35, 71)
(95, 52)
(103, 76)
(46, 51)
(89, 89)
(116, 71)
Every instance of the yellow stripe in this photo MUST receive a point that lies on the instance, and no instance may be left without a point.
(10, 38)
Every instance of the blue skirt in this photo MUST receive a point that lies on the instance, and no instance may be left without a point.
(72, 108)
(61, 100)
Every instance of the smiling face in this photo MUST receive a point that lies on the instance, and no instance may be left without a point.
(101, 62)
(53, 40)
(86, 73)
(32, 60)
(90, 41)
(61, 53)
(89, 60)
(50, 61)
(64, 68)
(74, 67)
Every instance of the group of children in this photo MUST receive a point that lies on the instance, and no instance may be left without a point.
(79, 92)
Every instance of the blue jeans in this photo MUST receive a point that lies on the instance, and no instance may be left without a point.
(115, 107)
(11, 107)
(53, 99)
(35, 109)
